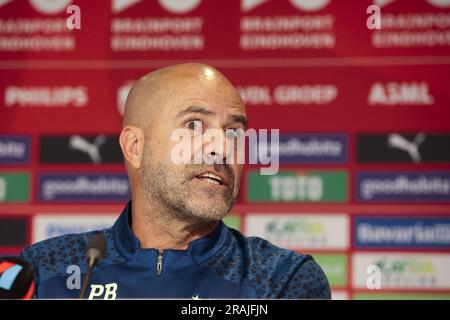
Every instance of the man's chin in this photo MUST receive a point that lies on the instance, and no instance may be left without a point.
(209, 209)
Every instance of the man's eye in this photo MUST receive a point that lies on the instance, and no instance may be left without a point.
(195, 125)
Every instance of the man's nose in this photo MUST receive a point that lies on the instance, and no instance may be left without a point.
(215, 149)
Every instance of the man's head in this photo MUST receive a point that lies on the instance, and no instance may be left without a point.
(194, 97)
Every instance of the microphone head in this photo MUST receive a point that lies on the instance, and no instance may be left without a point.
(16, 278)
(96, 248)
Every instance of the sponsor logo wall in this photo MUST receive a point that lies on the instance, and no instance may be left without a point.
(364, 119)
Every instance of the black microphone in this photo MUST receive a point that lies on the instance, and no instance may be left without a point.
(95, 252)
(16, 278)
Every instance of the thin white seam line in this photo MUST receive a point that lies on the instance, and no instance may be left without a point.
(229, 63)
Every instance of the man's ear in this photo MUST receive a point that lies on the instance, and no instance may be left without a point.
(131, 142)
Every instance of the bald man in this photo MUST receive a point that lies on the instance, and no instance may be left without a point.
(170, 241)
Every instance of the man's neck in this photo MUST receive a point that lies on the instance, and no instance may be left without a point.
(159, 230)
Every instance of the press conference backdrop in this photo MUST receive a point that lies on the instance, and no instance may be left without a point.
(364, 119)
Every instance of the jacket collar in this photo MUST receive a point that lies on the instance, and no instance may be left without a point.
(200, 249)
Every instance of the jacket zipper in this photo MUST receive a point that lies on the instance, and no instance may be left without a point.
(159, 266)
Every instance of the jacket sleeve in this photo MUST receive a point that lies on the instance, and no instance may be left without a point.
(308, 282)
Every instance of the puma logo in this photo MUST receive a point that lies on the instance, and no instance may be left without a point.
(411, 147)
(92, 149)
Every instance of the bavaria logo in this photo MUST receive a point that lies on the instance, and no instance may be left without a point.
(402, 232)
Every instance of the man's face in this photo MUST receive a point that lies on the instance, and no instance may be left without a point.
(194, 192)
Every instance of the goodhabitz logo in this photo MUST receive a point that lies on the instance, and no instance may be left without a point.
(75, 187)
(14, 149)
(308, 148)
(403, 186)
(402, 232)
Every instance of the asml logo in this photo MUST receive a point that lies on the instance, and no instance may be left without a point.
(400, 93)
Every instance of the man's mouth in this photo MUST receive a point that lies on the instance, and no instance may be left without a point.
(213, 178)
